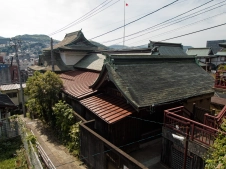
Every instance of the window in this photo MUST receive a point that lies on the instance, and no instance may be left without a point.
(12, 95)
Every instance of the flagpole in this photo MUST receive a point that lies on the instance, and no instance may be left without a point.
(124, 25)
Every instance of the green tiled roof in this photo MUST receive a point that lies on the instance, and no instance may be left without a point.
(74, 41)
(163, 48)
(151, 80)
(200, 52)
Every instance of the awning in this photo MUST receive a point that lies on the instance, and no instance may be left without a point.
(110, 109)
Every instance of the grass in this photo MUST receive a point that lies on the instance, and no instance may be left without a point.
(11, 151)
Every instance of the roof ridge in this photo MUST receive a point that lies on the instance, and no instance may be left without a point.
(72, 33)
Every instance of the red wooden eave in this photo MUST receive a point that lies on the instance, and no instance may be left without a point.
(110, 109)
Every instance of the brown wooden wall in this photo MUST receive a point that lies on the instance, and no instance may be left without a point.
(98, 153)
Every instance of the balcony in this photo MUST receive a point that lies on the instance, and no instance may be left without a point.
(178, 120)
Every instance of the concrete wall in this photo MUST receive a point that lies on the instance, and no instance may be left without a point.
(71, 58)
(196, 152)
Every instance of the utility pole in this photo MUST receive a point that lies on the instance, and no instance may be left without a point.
(52, 57)
(16, 44)
(124, 24)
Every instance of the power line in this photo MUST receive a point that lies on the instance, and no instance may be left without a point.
(176, 28)
(164, 21)
(78, 18)
(135, 20)
(176, 22)
(91, 30)
(194, 32)
(98, 12)
(82, 17)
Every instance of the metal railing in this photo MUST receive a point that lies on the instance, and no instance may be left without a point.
(197, 132)
(215, 121)
(45, 157)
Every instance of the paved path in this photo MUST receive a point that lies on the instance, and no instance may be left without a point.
(56, 152)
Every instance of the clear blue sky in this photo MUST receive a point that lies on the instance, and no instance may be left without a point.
(46, 16)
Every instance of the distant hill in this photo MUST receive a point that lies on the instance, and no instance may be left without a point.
(35, 38)
(118, 47)
(32, 45)
(139, 47)
(99, 45)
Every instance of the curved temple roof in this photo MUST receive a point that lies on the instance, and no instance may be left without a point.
(151, 80)
(72, 41)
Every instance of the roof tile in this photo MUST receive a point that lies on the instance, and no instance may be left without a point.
(11, 87)
(76, 83)
(108, 108)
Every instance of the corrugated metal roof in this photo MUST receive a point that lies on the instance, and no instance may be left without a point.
(108, 108)
(11, 87)
(5, 101)
(199, 51)
(93, 61)
(76, 83)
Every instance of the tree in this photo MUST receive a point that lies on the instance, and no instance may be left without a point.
(43, 91)
(216, 157)
(67, 126)
(64, 118)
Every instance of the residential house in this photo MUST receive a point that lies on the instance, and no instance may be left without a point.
(13, 91)
(204, 57)
(121, 99)
(221, 54)
(66, 53)
(8, 74)
(186, 140)
(131, 88)
(164, 48)
(220, 77)
(214, 45)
